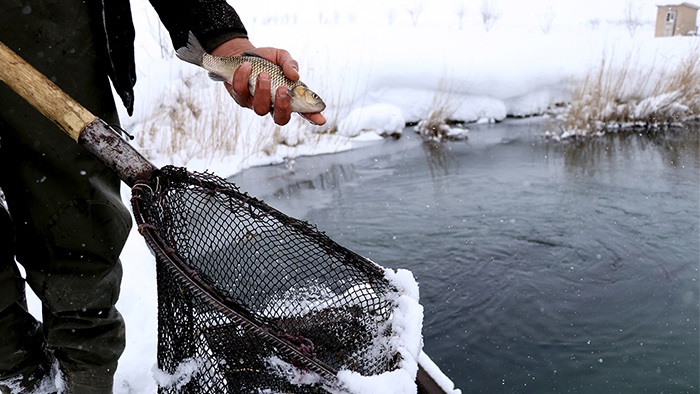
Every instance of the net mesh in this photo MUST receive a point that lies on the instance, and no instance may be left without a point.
(251, 299)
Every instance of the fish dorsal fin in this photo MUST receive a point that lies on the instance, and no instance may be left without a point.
(251, 54)
(216, 77)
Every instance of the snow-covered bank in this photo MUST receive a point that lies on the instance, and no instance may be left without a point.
(404, 58)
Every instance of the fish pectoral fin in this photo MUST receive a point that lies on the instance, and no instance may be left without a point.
(216, 77)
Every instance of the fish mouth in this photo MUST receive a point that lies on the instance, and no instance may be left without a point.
(319, 107)
(306, 108)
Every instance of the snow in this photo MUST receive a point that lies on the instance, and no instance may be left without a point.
(383, 119)
(305, 300)
(377, 65)
(182, 375)
(406, 339)
(442, 380)
(293, 374)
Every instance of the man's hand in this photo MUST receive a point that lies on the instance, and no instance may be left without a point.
(261, 102)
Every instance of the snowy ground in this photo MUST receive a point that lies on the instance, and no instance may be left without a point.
(377, 65)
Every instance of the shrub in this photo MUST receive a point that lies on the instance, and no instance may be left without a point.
(619, 97)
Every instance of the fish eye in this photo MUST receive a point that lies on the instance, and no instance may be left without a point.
(315, 96)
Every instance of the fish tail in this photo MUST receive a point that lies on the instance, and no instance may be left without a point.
(192, 53)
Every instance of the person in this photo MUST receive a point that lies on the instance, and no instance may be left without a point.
(65, 223)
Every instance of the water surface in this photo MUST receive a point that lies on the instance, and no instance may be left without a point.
(543, 267)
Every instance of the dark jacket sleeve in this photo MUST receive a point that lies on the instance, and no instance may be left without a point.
(212, 21)
(118, 46)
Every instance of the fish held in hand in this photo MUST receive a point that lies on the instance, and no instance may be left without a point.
(303, 100)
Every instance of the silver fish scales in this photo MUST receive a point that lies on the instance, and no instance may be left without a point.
(303, 99)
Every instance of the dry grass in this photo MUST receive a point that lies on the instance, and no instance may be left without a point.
(187, 123)
(441, 109)
(684, 81)
(613, 97)
(195, 119)
(436, 125)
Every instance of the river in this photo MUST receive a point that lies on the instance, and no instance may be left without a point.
(544, 267)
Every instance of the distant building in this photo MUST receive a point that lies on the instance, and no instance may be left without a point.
(677, 20)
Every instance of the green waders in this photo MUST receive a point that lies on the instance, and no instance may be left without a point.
(66, 224)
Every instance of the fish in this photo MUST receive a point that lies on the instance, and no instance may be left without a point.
(303, 99)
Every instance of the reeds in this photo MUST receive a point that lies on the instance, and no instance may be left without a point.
(187, 123)
(196, 119)
(436, 125)
(614, 97)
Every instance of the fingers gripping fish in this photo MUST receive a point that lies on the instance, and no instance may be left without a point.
(303, 100)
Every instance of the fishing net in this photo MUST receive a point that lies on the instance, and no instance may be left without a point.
(252, 300)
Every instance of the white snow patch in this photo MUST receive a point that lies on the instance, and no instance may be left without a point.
(297, 302)
(182, 375)
(438, 376)
(291, 373)
(383, 119)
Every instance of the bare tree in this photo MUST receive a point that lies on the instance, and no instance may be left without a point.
(594, 23)
(489, 13)
(415, 11)
(632, 19)
(546, 19)
(461, 12)
(391, 15)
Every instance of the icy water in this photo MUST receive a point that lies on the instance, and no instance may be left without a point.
(543, 267)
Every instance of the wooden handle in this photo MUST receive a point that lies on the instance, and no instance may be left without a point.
(43, 94)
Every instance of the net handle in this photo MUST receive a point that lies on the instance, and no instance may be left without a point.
(73, 119)
(42, 94)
